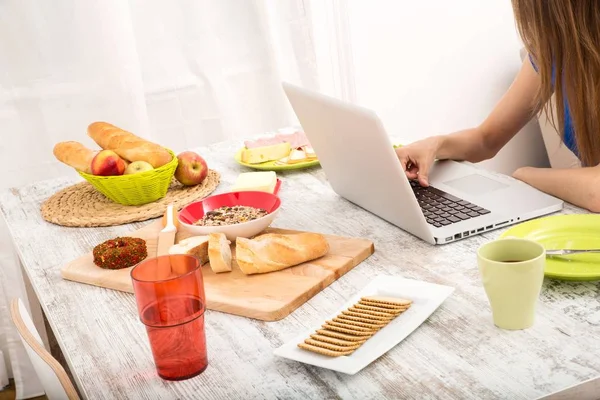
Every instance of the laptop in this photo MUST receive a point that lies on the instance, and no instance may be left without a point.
(361, 166)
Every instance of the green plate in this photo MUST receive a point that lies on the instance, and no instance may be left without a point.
(572, 231)
(271, 166)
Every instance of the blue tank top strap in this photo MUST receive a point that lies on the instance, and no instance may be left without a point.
(569, 134)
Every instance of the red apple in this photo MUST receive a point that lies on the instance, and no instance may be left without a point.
(107, 163)
(191, 168)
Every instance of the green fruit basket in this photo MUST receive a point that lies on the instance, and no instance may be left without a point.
(135, 189)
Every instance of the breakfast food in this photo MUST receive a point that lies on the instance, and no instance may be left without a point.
(337, 341)
(138, 166)
(127, 145)
(219, 253)
(296, 139)
(368, 323)
(259, 155)
(310, 153)
(352, 312)
(121, 252)
(262, 181)
(196, 246)
(230, 215)
(191, 168)
(385, 302)
(298, 155)
(344, 334)
(273, 251)
(107, 163)
(338, 335)
(282, 148)
(346, 351)
(75, 154)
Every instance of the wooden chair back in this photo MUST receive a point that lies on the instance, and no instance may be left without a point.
(52, 375)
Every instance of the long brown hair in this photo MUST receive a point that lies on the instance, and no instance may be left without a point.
(563, 39)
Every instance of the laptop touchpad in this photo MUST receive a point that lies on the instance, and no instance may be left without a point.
(475, 184)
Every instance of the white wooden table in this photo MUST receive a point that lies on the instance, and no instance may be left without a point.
(457, 353)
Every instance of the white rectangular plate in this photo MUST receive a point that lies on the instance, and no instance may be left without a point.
(426, 298)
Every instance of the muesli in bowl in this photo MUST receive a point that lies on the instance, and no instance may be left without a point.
(227, 215)
(243, 214)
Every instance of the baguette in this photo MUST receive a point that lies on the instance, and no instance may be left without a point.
(76, 155)
(219, 253)
(127, 145)
(273, 251)
(196, 246)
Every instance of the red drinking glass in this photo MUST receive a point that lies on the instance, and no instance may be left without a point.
(169, 292)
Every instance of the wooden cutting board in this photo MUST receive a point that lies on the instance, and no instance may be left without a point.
(267, 297)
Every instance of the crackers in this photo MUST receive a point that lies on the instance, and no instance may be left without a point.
(342, 335)
(393, 301)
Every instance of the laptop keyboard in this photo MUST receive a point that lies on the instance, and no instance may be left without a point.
(442, 209)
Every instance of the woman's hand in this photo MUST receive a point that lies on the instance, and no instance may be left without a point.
(483, 142)
(418, 157)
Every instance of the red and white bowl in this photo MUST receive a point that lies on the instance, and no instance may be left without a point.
(195, 211)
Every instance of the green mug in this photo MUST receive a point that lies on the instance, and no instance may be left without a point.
(512, 273)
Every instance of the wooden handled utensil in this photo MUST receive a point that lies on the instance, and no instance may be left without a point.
(166, 238)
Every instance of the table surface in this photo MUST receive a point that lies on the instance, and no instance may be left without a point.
(456, 353)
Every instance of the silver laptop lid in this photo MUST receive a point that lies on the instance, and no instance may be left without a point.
(358, 158)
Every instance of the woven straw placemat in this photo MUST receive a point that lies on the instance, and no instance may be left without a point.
(82, 205)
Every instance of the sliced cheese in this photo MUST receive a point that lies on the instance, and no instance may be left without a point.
(310, 153)
(263, 181)
(282, 161)
(259, 155)
(297, 156)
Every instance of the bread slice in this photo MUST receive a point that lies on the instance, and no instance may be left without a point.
(196, 246)
(219, 253)
(273, 251)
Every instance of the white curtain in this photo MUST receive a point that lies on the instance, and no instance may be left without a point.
(183, 73)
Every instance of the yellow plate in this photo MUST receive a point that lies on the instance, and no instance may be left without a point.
(272, 166)
(572, 231)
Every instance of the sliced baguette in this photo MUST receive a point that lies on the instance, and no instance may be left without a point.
(273, 251)
(219, 253)
(196, 246)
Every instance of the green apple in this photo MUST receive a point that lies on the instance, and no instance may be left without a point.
(138, 166)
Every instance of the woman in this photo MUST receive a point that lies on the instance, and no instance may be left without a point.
(563, 41)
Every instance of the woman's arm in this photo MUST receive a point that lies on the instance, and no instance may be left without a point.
(512, 112)
(578, 186)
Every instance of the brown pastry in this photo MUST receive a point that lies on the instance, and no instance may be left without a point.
(273, 251)
(127, 145)
(121, 252)
(75, 154)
